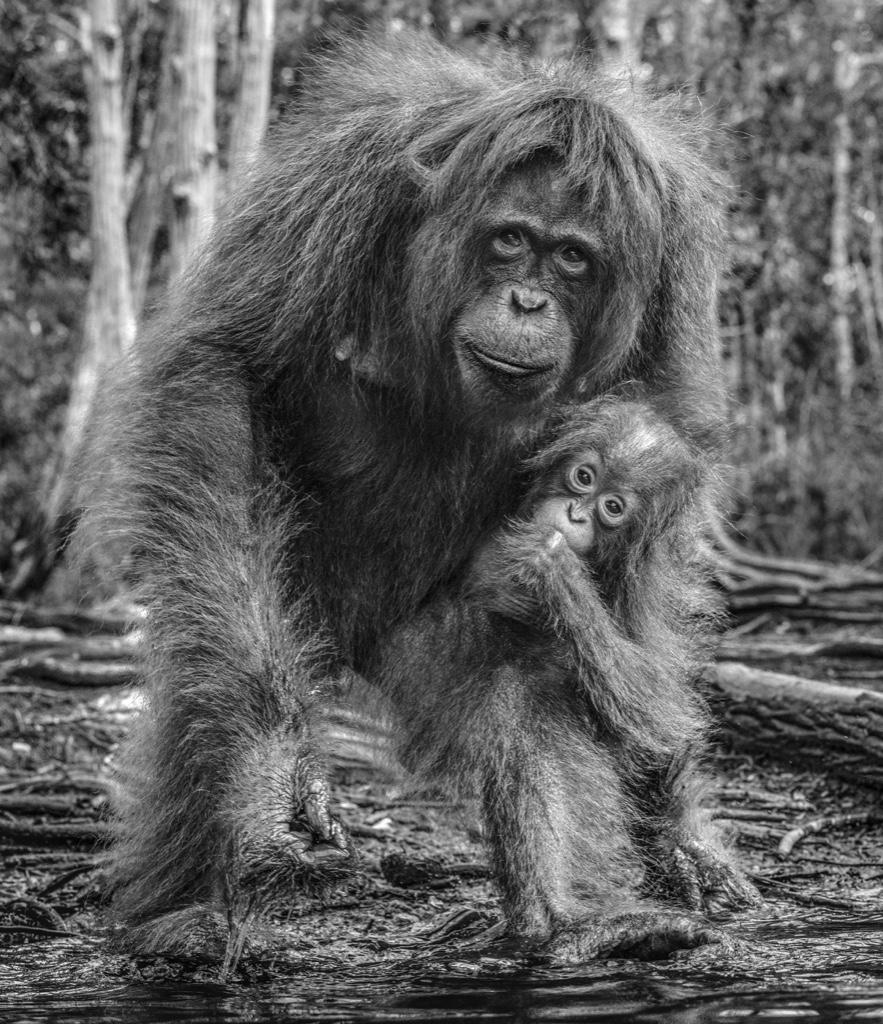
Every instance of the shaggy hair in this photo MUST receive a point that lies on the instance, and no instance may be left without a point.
(280, 513)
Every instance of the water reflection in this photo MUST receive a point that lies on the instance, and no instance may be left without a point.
(823, 969)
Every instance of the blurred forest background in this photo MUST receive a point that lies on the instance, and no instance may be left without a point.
(156, 106)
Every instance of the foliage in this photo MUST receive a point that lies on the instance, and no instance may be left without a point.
(815, 497)
(806, 476)
(36, 363)
(44, 135)
(43, 246)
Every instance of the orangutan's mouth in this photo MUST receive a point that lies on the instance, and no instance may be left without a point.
(509, 367)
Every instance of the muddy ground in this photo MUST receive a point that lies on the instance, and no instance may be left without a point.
(422, 884)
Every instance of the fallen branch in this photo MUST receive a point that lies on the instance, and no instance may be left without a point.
(840, 727)
(50, 806)
(68, 876)
(742, 556)
(404, 871)
(27, 637)
(24, 918)
(42, 860)
(806, 605)
(793, 837)
(71, 620)
(757, 583)
(80, 836)
(778, 650)
(16, 641)
(809, 899)
(81, 781)
(25, 932)
(70, 673)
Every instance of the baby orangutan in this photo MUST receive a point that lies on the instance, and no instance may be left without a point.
(566, 659)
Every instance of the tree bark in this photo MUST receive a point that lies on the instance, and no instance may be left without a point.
(439, 12)
(252, 104)
(838, 727)
(614, 28)
(869, 315)
(875, 235)
(841, 278)
(193, 56)
(109, 326)
(145, 214)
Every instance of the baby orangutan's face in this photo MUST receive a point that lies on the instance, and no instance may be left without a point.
(584, 505)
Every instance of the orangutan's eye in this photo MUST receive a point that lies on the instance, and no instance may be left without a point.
(508, 242)
(611, 509)
(582, 477)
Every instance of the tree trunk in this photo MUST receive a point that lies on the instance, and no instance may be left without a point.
(841, 279)
(146, 211)
(109, 326)
(251, 107)
(875, 235)
(110, 320)
(439, 12)
(614, 28)
(193, 55)
(869, 315)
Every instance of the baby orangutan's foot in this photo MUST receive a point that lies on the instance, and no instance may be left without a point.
(642, 935)
(705, 881)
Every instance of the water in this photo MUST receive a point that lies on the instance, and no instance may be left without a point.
(805, 966)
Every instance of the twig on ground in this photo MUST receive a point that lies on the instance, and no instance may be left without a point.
(75, 835)
(794, 836)
(806, 898)
(70, 672)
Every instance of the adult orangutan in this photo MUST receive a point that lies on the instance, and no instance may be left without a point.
(434, 255)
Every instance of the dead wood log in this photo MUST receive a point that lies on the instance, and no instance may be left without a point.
(86, 835)
(80, 781)
(16, 641)
(24, 636)
(70, 672)
(766, 649)
(744, 558)
(757, 583)
(819, 604)
(40, 806)
(71, 620)
(837, 727)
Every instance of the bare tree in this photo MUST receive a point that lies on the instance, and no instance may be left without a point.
(848, 67)
(193, 56)
(109, 325)
(614, 28)
(439, 16)
(841, 274)
(257, 19)
(151, 194)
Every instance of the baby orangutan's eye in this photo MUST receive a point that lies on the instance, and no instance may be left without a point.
(611, 509)
(582, 478)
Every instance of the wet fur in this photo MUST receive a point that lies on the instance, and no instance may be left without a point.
(561, 689)
(281, 509)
